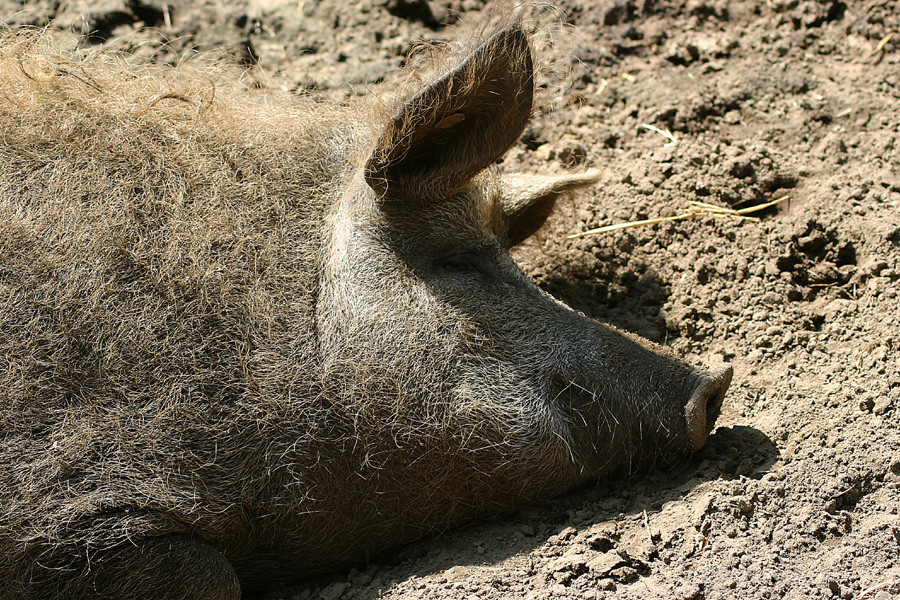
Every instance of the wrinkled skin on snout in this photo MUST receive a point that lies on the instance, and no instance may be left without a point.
(179, 427)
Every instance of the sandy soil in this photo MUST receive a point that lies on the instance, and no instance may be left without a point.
(797, 493)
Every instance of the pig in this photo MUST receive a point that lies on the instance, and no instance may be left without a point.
(245, 338)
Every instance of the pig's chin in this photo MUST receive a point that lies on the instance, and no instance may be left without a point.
(683, 422)
(614, 431)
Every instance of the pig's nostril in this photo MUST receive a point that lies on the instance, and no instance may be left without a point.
(703, 408)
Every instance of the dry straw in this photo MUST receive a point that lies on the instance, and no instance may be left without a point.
(880, 47)
(889, 584)
(698, 209)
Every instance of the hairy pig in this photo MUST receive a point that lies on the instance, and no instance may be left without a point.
(247, 338)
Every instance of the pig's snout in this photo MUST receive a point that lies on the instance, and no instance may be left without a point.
(703, 408)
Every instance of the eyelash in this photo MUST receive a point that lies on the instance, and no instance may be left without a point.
(461, 263)
(465, 263)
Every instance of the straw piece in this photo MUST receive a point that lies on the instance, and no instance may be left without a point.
(878, 586)
(881, 45)
(663, 132)
(702, 209)
(757, 207)
(636, 224)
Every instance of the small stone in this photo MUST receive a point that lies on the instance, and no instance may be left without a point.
(566, 534)
(334, 591)
(688, 591)
(601, 541)
(874, 267)
(583, 515)
(624, 574)
(762, 342)
(607, 585)
(564, 568)
(603, 564)
(882, 404)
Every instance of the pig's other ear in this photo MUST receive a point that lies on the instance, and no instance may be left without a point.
(457, 125)
(527, 200)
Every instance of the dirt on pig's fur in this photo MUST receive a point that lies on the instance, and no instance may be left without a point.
(796, 494)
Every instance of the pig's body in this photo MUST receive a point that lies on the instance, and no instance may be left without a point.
(242, 344)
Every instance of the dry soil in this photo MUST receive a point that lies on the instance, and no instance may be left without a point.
(796, 495)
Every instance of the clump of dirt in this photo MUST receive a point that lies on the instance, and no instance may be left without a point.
(797, 493)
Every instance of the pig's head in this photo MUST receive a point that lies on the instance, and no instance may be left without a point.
(425, 318)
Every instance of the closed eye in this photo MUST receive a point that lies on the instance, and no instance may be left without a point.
(466, 263)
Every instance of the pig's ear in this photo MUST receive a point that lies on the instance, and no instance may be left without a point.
(527, 200)
(456, 126)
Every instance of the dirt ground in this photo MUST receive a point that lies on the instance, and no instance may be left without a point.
(796, 495)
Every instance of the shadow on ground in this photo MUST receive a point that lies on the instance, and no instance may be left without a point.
(731, 453)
